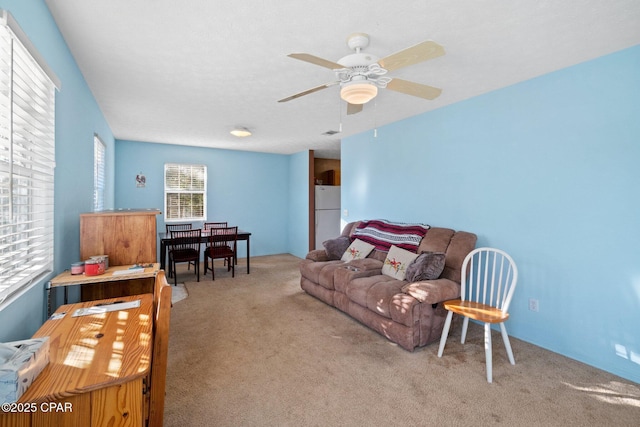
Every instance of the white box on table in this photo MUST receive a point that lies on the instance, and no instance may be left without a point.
(20, 363)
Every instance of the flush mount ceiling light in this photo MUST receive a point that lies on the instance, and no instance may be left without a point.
(358, 92)
(241, 132)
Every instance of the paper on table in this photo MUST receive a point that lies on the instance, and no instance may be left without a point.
(128, 271)
(98, 309)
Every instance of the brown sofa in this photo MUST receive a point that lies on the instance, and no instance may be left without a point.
(409, 314)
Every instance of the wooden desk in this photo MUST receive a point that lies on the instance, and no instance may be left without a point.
(113, 283)
(165, 239)
(96, 369)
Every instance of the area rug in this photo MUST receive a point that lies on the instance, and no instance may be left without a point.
(178, 293)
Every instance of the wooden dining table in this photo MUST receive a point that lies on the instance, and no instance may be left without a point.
(165, 240)
(99, 359)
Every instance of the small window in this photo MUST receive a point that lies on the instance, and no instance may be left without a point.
(185, 192)
(99, 153)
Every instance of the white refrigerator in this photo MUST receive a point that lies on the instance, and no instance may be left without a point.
(327, 213)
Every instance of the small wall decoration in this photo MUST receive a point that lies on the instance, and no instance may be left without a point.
(141, 180)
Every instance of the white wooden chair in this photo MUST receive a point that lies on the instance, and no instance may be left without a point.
(488, 281)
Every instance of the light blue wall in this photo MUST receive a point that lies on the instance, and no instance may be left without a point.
(77, 119)
(299, 204)
(250, 190)
(547, 170)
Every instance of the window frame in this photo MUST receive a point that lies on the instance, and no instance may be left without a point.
(184, 189)
(27, 163)
(99, 167)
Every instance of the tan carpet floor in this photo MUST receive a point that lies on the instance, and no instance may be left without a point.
(256, 350)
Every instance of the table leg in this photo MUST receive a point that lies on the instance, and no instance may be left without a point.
(49, 310)
(248, 258)
(163, 254)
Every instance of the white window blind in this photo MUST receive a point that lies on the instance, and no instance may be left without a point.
(185, 192)
(99, 153)
(27, 161)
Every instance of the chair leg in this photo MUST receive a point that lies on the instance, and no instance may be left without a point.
(487, 351)
(196, 266)
(233, 267)
(445, 333)
(465, 325)
(175, 275)
(507, 344)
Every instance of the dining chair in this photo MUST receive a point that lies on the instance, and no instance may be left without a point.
(209, 225)
(184, 246)
(488, 281)
(222, 245)
(174, 227)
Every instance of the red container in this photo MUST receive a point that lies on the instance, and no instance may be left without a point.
(93, 267)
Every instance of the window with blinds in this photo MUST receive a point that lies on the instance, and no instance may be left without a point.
(27, 161)
(185, 192)
(99, 153)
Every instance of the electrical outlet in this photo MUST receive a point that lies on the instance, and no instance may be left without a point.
(533, 305)
(345, 212)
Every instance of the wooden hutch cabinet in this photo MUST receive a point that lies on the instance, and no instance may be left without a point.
(127, 236)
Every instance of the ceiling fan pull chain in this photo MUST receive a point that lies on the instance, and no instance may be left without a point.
(340, 114)
(375, 118)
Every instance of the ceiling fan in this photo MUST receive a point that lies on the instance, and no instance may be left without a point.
(361, 74)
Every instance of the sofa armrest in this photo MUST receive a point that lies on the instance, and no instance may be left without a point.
(317, 255)
(433, 291)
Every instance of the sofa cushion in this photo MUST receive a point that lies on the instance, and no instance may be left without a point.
(374, 292)
(382, 295)
(335, 248)
(317, 255)
(383, 234)
(357, 250)
(433, 291)
(397, 261)
(427, 266)
(311, 270)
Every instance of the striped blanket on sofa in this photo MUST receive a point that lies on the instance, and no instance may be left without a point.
(382, 234)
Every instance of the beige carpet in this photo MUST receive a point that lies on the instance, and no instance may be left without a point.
(258, 351)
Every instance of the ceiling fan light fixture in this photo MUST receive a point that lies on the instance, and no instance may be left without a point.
(241, 132)
(358, 92)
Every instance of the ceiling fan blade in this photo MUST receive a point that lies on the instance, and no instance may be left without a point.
(412, 55)
(415, 89)
(308, 91)
(317, 61)
(354, 108)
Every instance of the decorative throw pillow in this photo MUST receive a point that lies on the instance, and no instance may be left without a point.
(427, 266)
(357, 250)
(335, 247)
(397, 261)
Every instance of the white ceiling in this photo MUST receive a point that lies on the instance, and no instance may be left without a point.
(188, 72)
